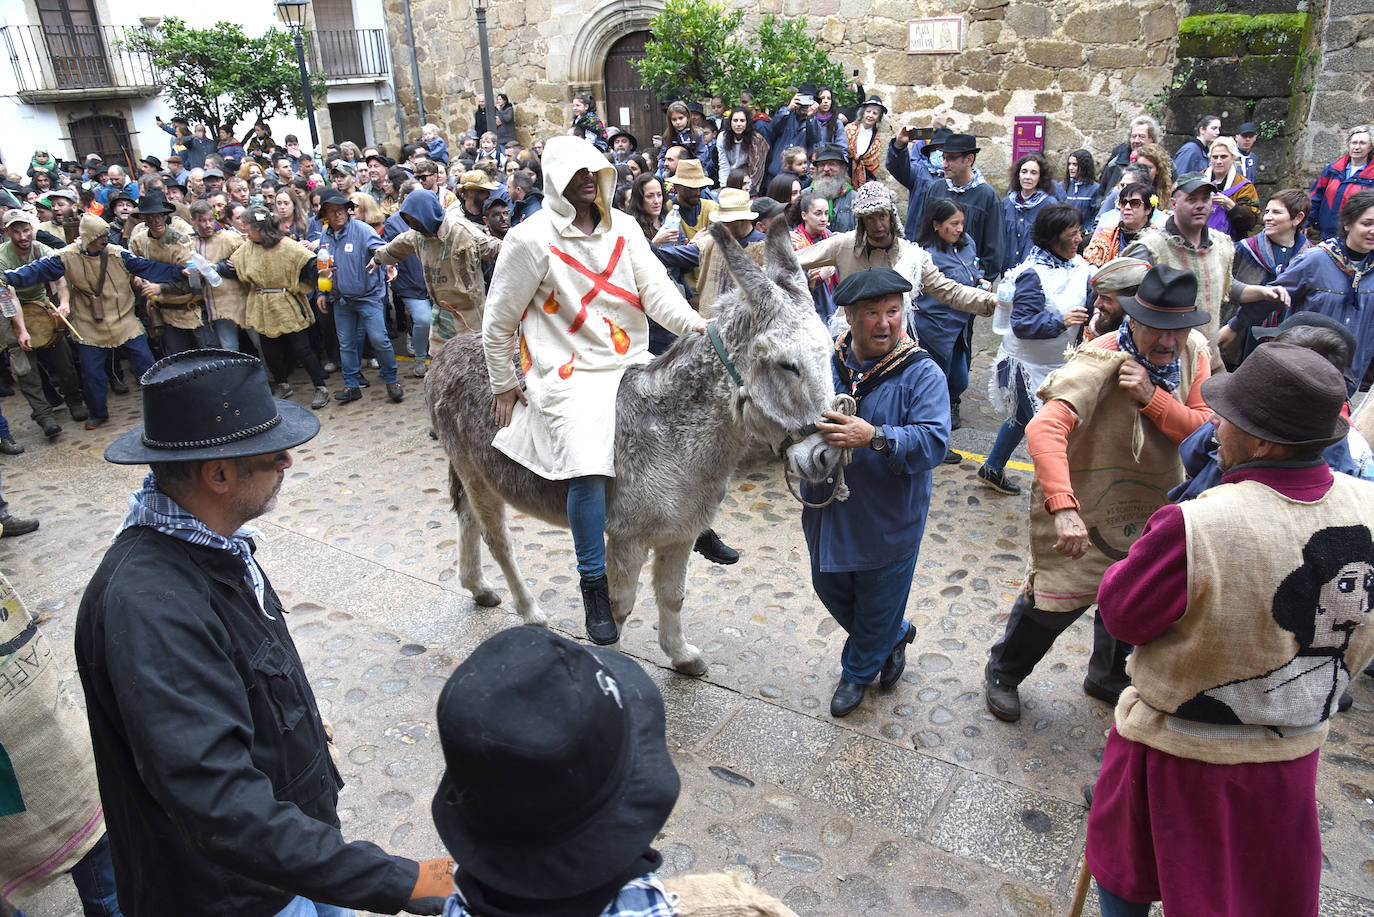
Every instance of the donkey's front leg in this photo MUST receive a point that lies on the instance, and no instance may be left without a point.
(624, 559)
(670, 584)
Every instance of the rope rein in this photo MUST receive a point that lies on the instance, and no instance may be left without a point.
(844, 404)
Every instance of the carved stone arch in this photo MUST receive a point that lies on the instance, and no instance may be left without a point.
(599, 31)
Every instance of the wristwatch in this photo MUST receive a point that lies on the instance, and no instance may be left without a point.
(879, 442)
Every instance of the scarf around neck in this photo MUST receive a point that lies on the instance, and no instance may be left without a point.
(1029, 203)
(1166, 377)
(859, 383)
(151, 507)
(1046, 258)
(1355, 270)
(973, 182)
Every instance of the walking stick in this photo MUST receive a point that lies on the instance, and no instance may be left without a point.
(52, 310)
(1080, 891)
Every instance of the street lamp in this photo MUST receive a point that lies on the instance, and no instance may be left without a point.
(480, 6)
(292, 13)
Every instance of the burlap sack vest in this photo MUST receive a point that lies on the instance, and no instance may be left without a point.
(1279, 595)
(115, 304)
(1121, 467)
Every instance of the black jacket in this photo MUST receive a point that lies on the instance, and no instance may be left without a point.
(218, 788)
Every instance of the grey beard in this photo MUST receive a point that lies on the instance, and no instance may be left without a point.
(829, 188)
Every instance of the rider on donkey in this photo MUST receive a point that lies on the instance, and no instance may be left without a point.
(572, 287)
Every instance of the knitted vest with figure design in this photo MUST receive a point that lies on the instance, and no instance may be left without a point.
(1279, 595)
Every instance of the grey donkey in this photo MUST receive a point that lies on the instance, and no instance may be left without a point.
(682, 425)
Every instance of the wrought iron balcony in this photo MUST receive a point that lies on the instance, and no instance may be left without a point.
(348, 54)
(63, 63)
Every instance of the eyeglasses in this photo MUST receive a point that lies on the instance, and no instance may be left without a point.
(1133, 202)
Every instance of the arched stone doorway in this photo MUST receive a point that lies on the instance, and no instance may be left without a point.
(628, 104)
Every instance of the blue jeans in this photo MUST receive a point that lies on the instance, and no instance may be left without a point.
(221, 333)
(871, 606)
(354, 321)
(421, 317)
(304, 907)
(955, 368)
(4, 425)
(95, 370)
(587, 519)
(93, 876)
(1112, 906)
(1013, 428)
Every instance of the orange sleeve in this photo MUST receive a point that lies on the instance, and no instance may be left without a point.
(1179, 421)
(1047, 441)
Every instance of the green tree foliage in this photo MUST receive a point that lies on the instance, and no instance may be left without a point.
(694, 53)
(221, 76)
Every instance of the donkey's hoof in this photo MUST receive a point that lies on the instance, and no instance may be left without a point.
(535, 617)
(694, 665)
(487, 598)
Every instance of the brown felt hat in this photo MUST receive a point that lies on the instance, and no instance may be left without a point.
(1282, 393)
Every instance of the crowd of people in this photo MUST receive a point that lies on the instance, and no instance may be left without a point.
(1179, 361)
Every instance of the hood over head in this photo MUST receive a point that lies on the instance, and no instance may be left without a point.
(563, 157)
(422, 210)
(92, 228)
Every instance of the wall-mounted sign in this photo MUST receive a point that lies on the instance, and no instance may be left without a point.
(935, 36)
(1027, 135)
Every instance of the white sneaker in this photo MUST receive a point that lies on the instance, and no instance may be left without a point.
(420, 369)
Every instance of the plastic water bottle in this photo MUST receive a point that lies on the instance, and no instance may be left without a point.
(206, 267)
(1001, 319)
(673, 221)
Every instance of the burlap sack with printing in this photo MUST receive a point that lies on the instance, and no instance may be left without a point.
(50, 814)
(723, 895)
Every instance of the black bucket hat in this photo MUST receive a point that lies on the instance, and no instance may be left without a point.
(961, 144)
(557, 774)
(330, 195)
(1283, 393)
(1166, 300)
(210, 404)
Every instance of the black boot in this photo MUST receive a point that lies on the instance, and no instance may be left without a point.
(596, 601)
(713, 549)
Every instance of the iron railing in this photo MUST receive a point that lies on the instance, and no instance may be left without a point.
(347, 54)
(77, 59)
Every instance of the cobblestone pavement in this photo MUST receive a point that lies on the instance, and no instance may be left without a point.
(918, 803)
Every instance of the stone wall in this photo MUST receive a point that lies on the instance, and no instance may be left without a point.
(1342, 93)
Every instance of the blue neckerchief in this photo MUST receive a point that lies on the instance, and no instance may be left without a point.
(1048, 259)
(1028, 203)
(1166, 377)
(973, 182)
(153, 508)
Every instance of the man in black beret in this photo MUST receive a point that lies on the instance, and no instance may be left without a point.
(863, 550)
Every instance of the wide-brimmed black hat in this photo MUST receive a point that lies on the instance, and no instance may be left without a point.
(874, 100)
(831, 152)
(621, 132)
(210, 404)
(936, 141)
(961, 144)
(153, 203)
(557, 774)
(1283, 393)
(1166, 300)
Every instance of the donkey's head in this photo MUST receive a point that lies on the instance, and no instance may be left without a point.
(782, 352)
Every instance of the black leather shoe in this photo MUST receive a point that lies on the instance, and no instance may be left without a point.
(847, 696)
(15, 526)
(10, 447)
(1346, 702)
(952, 457)
(896, 661)
(596, 601)
(713, 549)
(347, 395)
(1108, 694)
(395, 392)
(117, 386)
(52, 429)
(1004, 701)
(78, 410)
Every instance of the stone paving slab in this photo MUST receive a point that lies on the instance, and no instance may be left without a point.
(920, 802)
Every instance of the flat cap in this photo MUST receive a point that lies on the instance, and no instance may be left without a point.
(873, 283)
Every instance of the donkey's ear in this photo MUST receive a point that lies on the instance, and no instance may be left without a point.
(781, 260)
(747, 276)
